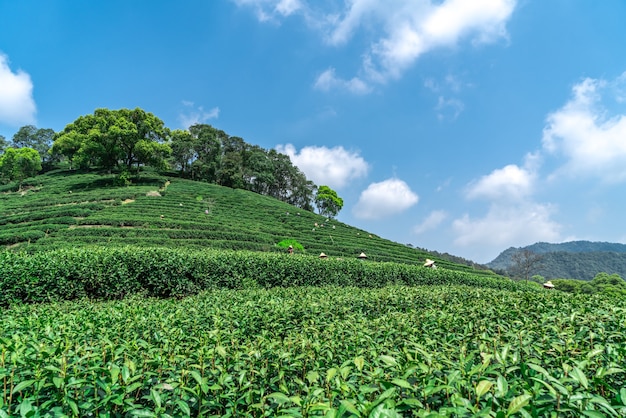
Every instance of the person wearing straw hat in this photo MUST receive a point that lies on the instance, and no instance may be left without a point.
(290, 249)
(362, 256)
(548, 285)
(430, 263)
(322, 255)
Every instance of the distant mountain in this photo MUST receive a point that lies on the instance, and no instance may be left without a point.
(580, 260)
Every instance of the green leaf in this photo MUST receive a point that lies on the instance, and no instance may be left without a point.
(22, 385)
(402, 383)
(546, 384)
(594, 414)
(483, 387)
(312, 376)
(279, 398)
(539, 369)
(388, 360)
(142, 413)
(348, 406)
(73, 406)
(381, 411)
(359, 362)
(579, 376)
(155, 397)
(25, 408)
(196, 376)
(518, 403)
(183, 407)
(502, 387)
(595, 352)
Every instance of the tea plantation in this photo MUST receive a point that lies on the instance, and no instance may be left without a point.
(67, 209)
(171, 298)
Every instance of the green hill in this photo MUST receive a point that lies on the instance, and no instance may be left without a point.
(66, 208)
(580, 260)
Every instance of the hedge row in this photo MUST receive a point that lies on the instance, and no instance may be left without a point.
(109, 273)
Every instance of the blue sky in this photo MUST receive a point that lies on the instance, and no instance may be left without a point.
(457, 126)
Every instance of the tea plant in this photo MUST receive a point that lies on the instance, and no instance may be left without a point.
(318, 351)
(113, 272)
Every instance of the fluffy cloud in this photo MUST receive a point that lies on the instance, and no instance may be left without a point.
(381, 200)
(402, 30)
(334, 167)
(17, 106)
(432, 221)
(508, 183)
(192, 115)
(505, 226)
(587, 135)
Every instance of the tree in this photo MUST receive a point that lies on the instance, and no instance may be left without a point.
(115, 138)
(4, 144)
(30, 136)
(183, 154)
(207, 144)
(16, 164)
(525, 262)
(327, 201)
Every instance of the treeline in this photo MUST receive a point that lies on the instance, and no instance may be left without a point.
(603, 283)
(125, 140)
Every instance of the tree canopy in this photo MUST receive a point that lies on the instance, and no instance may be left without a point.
(327, 201)
(115, 138)
(208, 154)
(16, 164)
(39, 139)
(125, 139)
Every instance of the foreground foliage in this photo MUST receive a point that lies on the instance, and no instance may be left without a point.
(318, 351)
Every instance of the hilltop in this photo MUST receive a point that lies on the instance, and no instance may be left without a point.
(68, 208)
(580, 260)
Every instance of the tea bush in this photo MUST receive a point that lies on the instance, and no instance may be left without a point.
(423, 351)
(112, 272)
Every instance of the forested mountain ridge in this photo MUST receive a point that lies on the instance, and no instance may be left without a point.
(580, 260)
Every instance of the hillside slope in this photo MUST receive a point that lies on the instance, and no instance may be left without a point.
(580, 260)
(66, 208)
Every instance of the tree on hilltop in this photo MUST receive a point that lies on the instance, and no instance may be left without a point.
(39, 139)
(17, 164)
(115, 138)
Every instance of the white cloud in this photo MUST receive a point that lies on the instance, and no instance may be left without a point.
(587, 135)
(384, 199)
(402, 30)
(196, 115)
(432, 221)
(334, 167)
(449, 108)
(505, 226)
(509, 183)
(267, 10)
(328, 81)
(17, 106)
